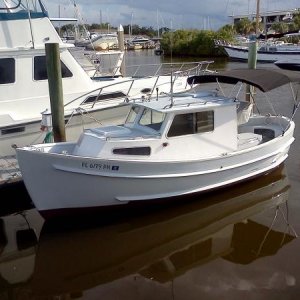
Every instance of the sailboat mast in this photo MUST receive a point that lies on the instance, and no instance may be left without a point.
(157, 23)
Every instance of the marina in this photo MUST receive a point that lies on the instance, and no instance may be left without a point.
(213, 253)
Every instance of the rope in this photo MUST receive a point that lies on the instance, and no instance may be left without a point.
(49, 137)
(86, 113)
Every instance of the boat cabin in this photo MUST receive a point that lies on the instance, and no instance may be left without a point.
(190, 127)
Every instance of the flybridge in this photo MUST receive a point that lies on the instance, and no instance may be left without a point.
(14, 10)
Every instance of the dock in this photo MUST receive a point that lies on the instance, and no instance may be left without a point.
(9, 170)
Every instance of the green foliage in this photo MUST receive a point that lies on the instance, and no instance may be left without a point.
(193, 42)
(296, 20)
(95, 26)
(244, 26)
(227, 33)
(280, 27)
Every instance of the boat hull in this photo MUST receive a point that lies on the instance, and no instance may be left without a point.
(82, 182)
(241, 54)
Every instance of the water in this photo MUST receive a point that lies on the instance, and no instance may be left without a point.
(233, 243)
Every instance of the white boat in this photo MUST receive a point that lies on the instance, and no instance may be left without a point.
(24, 30)
(175, 146)
(103, 41)
(217, 226)
(139, 40)
(265, 53)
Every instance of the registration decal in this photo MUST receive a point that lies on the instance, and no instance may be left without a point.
(99, 166)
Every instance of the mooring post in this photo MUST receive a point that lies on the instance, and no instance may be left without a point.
(252, 58)
(121, 47)
(252, 54)
(55, 91)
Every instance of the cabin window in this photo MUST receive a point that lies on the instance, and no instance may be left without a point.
(204, 121)
(40, 69)
(102, 97)
(132, 114)
(133, 151)
(192, 123)
(7, 70)
(152, 118)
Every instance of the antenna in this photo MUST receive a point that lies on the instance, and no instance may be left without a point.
(172, 100)
(30, 24)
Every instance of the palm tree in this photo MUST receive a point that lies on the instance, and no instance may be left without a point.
(244, 26)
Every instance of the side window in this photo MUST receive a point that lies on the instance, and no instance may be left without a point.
(182, 125)
(192, 123)
(204, 121)
(7, 70)
(40, 69)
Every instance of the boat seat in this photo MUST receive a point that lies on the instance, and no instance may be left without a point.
(248, 139)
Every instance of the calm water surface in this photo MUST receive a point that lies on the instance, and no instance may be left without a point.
(233, 243)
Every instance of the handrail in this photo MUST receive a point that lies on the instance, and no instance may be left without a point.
(100, 90)
(13, 7)
(196, 66)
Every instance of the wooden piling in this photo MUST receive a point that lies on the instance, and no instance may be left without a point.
(55, 91)
(252, 54)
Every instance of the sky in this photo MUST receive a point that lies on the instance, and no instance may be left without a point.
(174, 14)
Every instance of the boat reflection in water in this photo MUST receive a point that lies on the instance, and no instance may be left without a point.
(161, 244)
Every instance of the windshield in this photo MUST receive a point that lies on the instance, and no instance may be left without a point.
(132, 114)
(152, 118)
(146, 117)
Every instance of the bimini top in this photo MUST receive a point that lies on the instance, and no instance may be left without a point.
(264, 79)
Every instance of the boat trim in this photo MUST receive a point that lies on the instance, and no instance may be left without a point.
(220, 184)
(221, 168)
